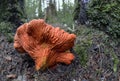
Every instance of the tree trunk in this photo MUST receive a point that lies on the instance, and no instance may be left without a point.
(63, 5)
(58, 5)
(12, 11)
(82, 15)
(80, 12)
(40, 9)
(51, 11)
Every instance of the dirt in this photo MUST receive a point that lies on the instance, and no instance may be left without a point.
(20, 67)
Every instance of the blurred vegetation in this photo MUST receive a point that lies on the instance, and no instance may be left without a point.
(105, 15)
(52, 13)
(31, 8)
(65, 16)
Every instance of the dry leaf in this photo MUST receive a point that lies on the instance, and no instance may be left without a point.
(11, 76)
(9, 58)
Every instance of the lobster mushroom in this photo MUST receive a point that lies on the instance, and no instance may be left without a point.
(46, 45)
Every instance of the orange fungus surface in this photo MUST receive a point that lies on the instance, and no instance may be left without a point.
(46, 45)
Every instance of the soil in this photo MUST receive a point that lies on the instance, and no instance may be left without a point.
(20, 67)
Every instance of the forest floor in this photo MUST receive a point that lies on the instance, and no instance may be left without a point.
(99, 61)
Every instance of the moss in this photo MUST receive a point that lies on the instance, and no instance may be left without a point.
(105, 16)
(6, 29)
(84, 41)
(10, 37)
(82, 51)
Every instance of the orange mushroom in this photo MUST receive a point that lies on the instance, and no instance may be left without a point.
(46, 45)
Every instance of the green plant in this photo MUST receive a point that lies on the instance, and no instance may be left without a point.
(116, 62)
(115, 58)
(82, 54)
